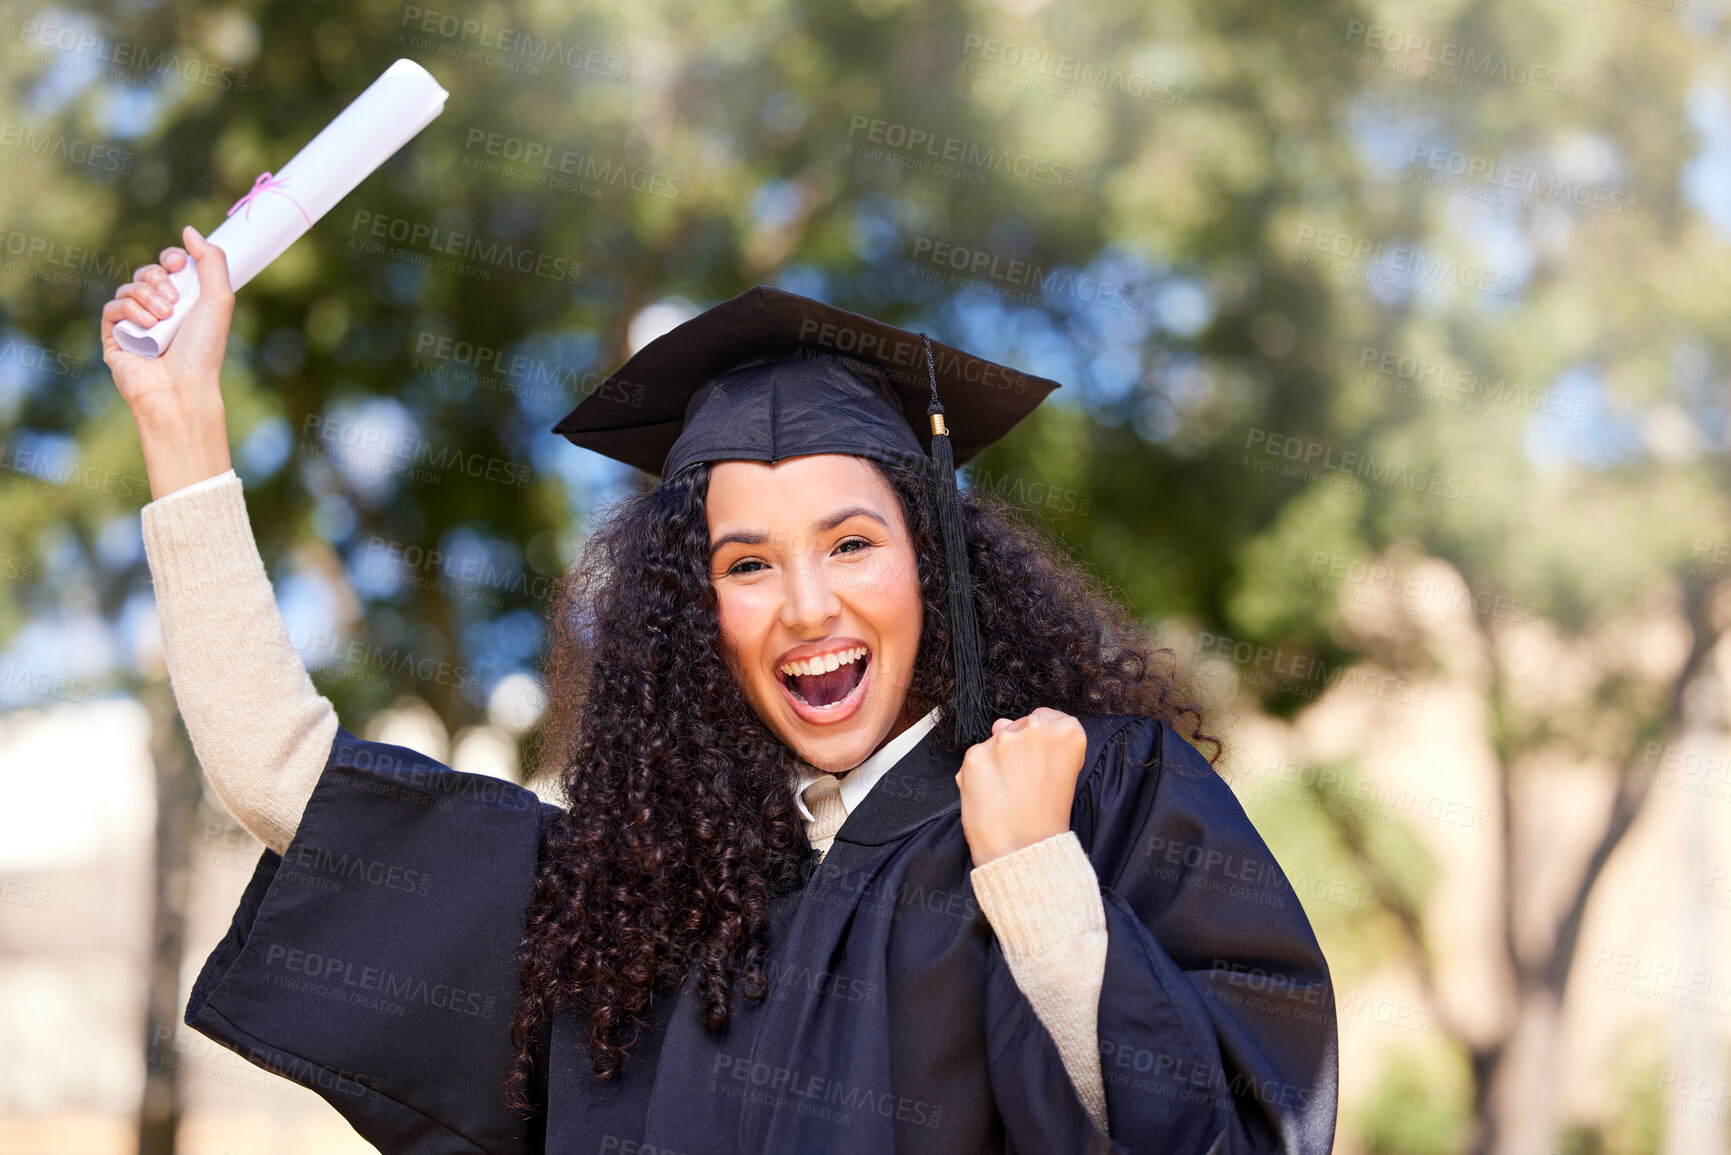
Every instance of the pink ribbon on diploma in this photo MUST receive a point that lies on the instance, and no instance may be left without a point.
(266, 183)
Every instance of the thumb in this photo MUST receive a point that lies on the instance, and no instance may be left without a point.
(212, 266)
(199, 347)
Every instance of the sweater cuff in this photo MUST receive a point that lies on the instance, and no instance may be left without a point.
(199, 537)
(1040, 897)
(195, 486)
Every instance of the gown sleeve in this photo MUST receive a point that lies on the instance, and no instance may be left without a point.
(1217, 1024)
(375, 960)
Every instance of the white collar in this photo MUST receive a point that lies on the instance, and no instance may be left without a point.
(863, 777)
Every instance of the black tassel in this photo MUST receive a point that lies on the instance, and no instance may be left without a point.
(972, 723)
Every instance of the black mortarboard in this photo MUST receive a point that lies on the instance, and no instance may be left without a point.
(771, 374)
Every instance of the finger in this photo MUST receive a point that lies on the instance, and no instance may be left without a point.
(999, 725)
(126, 308)
(174, 258)
(152, 275)
(112, 313)
(148, 297)
(978, 760)
(159, 278)
(138, 313)
(1068, 724)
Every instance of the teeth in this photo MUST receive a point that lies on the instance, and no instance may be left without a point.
(823, 663)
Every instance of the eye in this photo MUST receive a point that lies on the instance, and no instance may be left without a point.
(739, 567)
(861, 542)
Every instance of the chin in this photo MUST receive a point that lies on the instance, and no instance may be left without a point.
(837, 746)
(836, 752)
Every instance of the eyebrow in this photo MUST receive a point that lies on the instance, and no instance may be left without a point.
(823, 525)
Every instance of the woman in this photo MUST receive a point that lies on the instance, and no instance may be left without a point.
(803, 897)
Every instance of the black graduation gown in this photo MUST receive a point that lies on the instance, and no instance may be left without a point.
(375, 962)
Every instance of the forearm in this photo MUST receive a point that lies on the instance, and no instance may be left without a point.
(260, 729)
(181, 447)
(1043, 902)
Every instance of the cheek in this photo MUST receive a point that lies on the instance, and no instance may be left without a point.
(912, 611)
(743, 620)
(900, 606)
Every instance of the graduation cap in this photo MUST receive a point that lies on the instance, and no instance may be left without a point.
(771, 374)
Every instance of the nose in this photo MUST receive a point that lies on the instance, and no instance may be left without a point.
(808, 601)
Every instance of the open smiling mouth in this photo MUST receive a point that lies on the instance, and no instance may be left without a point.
(824, 682)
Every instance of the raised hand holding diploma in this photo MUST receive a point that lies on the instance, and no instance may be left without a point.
(176, 399)
(281, 206)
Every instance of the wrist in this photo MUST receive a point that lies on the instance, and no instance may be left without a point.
(996, 846)
(177, 414)
(180, 449)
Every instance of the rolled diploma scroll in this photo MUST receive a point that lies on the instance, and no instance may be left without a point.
(273, 215)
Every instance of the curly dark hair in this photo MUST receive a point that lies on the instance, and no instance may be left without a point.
(680, 823)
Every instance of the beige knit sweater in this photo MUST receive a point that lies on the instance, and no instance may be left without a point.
(262, 733)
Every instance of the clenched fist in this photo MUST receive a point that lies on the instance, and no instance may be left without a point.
(176, 399)
(1017, 786)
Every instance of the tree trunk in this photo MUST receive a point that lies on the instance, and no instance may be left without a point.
(1517, 1101)
(177, 795)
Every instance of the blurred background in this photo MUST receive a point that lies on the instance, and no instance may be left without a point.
(1396, 386)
